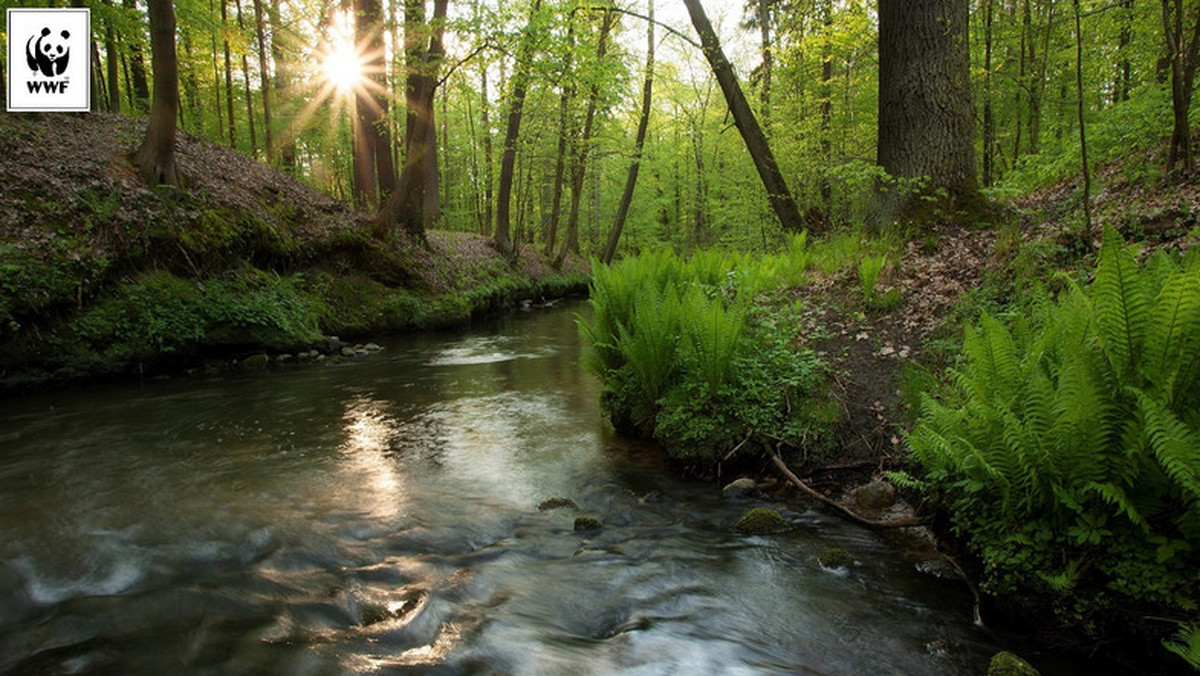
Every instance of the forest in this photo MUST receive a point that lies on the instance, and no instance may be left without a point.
(950, 245)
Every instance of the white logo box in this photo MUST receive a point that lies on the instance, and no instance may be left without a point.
(49, 53)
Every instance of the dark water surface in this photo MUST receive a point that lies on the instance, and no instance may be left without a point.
(380, 516)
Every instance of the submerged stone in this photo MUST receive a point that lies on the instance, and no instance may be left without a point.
(760, 520)
(556, 503)
(875, 495)
(835, 557)
(584, 523)
(1007, 664)
(255, 361)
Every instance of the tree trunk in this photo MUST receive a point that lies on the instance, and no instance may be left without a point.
(614, 236)
(264, 81)
(764, 30)
(155, 158)
(246, 80)
(287, 142)
(485, 122)
(137, 65)
(1037, 87)
(564, 137)
(216, 73)
(521, 79)
(1087, 171)
(925, 115)
(989, 123)
(570, 241)
(1183, 61)
(826, 111)
(778, 194)
(372, 142)
(228, 77)
(414, 34)
(407, 208)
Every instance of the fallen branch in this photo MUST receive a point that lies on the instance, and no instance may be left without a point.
(840, 509)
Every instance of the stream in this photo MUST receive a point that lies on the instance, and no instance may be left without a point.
(380, 516)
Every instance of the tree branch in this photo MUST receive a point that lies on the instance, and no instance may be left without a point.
(643, 17)
(841, 510)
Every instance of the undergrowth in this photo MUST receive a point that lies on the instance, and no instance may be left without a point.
(1066, 448)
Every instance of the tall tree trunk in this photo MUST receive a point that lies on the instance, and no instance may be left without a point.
(155, 158)
(137, 65)
(1023, 50)
(614, 235)
(407, 208)
(521, 80)
(1086, 168)
(764, 30)
(111, 64)
(1183, 62)
(372, 143)
(228, 76)
(989, 123)
(570, 241)
(287, 143)
(778, 193)
(565, 132)
(826, 188)
(925, 114)
(264, 81)
(485, 123)
(1037, 88)
(246, 80)
(414, 35)
(192, 83)
(216, 73)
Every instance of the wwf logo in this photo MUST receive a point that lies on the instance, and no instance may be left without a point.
(49, 54)
(41, 75)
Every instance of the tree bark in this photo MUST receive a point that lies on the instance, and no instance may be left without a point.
(521, 80)
(485, 228)
(137, 65)
(989, 123)
(155, 158)
(564, 138)
(925, 115)
(614, 235)
(375, 175)
(570, 241)
(228, 77)
(264, 81)
(764, 30)
(287, 143)
(1183, 61)
(778, 194)
(407, 209)
(111, 60)
(1086, 168)
(246, 81)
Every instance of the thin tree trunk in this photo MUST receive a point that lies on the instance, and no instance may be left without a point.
(155, 158)
(246, 80)
(826, 107)
(264, 81)
(228, 76)
(216, 73)
(570, 241)
(521, 80)
(989, 123)
(287, 149)
(564, 137)
(614, 235)
(764, 29)
(485, 122)
(1183, 62)
(1021, 80)
(1087, 172)
(137, 65)
(1038, 86)
(778, 194)
(192, 83)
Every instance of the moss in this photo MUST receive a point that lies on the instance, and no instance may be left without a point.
(255, 362)
(586, 523)
(835, 557)
(1007, 664)
(557, 503)
(760, 520)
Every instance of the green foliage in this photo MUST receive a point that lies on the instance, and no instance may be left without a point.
(1186, 645)
(1067, 448)
(688, 357)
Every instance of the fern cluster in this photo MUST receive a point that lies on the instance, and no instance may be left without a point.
(1066, 447)
(688, 358)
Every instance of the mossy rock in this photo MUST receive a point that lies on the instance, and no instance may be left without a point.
(1007, 664)
(835, 557)
(586, 523)
(760, 520)
(255, 361)
(556, 503)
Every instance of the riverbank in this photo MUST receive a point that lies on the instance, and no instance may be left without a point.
(106, 278)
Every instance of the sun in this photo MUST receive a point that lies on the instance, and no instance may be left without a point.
(342, 64)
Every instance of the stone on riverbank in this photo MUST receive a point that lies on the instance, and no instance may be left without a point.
(738, 488)
(1007, 664)
(835, 557)
(556, 503)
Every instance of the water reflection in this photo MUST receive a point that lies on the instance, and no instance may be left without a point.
(372, 437)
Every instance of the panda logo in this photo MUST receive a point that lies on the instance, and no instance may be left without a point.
(49, 54)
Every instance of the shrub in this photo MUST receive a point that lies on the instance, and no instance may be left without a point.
(1066, 449)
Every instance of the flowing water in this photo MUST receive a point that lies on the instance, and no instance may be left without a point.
(381, 516)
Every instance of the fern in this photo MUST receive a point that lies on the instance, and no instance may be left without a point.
(1186, 645)
(1174, 336)
(1122, 308)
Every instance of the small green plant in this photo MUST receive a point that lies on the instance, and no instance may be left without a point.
(1186, 645)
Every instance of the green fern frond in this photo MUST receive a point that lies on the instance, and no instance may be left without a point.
(1174, 332)
(1122, 308)
(1186, 645)
(1174, 444)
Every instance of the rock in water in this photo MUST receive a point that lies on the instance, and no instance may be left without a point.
(760, 520)
(738, 488)
(1007, 664)
(835, 557)
(556, 503)
(585, 523)
(875, 495)
(256, 361)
